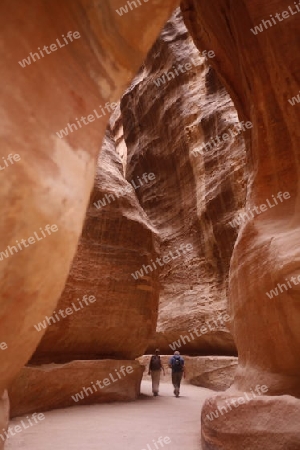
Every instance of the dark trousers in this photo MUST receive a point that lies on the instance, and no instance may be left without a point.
(176, 379)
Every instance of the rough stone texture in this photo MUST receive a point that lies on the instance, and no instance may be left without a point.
(211, 372)
(262, 73)
(194, 197)
(29, 393)
(182, 206)
(257, 424)
(53, 180)
(116, 239)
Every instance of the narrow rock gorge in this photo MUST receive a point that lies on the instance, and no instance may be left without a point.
(149, 201)
(174, 210)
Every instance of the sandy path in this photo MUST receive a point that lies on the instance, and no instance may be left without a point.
(120, 426)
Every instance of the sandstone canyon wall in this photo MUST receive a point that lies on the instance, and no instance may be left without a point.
(52, 181)
(196, 195)
(190, 200)
(116, 239)
(261, 71)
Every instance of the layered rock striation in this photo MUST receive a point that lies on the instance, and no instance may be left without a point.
(74, 383)
(52, 177)
(260, 68)
(117, 238)
(158, 196)
(174, 116)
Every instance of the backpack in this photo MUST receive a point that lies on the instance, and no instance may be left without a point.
(177, 364)
(155, 363)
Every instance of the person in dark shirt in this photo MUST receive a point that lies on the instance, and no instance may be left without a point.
(176, 363)
(155, 367)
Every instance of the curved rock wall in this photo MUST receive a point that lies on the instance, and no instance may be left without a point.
(180, 199)
(51, 179)
(74, 384)
(261, 70)
(199, 187)
(117, 237)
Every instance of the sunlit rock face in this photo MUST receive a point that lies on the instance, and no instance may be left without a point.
(74, 383)
(157, 195)
(172, 130)
(52, 180)
(261, 71)
(118, 238)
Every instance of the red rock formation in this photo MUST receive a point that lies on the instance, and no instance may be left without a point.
(194, 197)
(75, 383)
(131, 228)
(250, 423)
(261, 72)
(52, 181)
(117, 239)
(211, 372)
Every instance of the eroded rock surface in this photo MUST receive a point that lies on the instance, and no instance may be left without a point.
(261, 71)
(74, 383)
(251, 423)
(198, 190)
(184, 207)
(212, 372)
(53, 179)
(117, 238)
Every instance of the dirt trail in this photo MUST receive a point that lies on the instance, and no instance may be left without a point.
(120, 426)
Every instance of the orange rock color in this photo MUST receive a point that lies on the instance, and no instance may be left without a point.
(191, 201)
(195, 194)
(74, 383)
(261, 72)
(53, 179)
(130, 222)
(117, 239)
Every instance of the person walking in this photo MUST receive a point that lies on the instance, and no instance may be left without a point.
(176, 363)
(155, 367)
